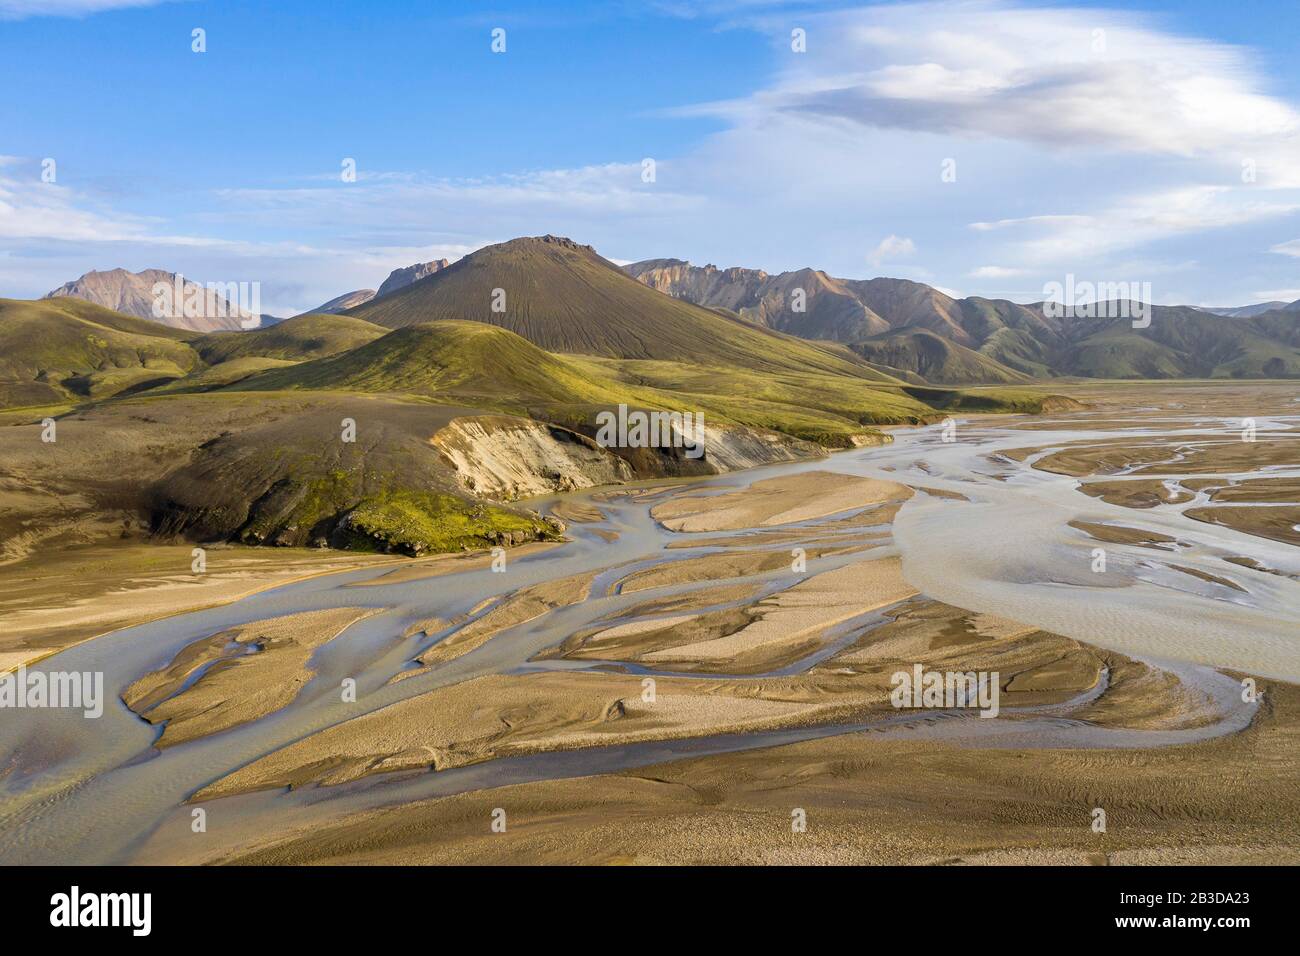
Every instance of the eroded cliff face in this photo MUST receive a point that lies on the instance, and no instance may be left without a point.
(504, 458)
(733, 447)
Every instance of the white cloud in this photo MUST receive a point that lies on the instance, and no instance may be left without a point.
(398, 207)
(1065, 221)
(1134, 220)
(994, 272)
(1291, 248)
(1058, 78)
(891, 248)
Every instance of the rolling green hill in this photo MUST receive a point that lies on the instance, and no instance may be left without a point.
(54, 351)
(212, 377)
(298, 339)
(935, 359)
(479, 365)
(818, 392)
(1183, 342)
(275, 473)
(455, 362)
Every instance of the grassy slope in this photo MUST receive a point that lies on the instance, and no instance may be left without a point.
(1181, 343)
(463, 362)
(936, 359)
(565, 298)
(991, 399)
(470, 363)
(822, 408)
(419, 522)
(219, 376)
(475, 364)
(56, 350)
(67, 351)
(298, 339)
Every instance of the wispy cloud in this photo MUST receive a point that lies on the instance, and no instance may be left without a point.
(344, 234)
(32, 209)
(20, 9)
(1063, 79)
(1131, 221)
(607, 189)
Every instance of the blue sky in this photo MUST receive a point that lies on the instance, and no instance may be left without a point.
(1094, 140)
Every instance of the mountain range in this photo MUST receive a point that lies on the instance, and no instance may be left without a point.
(565, 298)
(132, 293)
(596, 336)
(911, 329)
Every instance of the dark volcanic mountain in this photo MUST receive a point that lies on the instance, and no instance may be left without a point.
(564, 297)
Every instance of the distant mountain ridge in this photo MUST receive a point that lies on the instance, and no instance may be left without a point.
(1259, 308)
(397, 279)
(400, 278)
(892, 322)
(341, 303)
(832, 311)
(132, 293)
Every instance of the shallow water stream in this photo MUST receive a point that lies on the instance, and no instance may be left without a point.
(92, 791)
